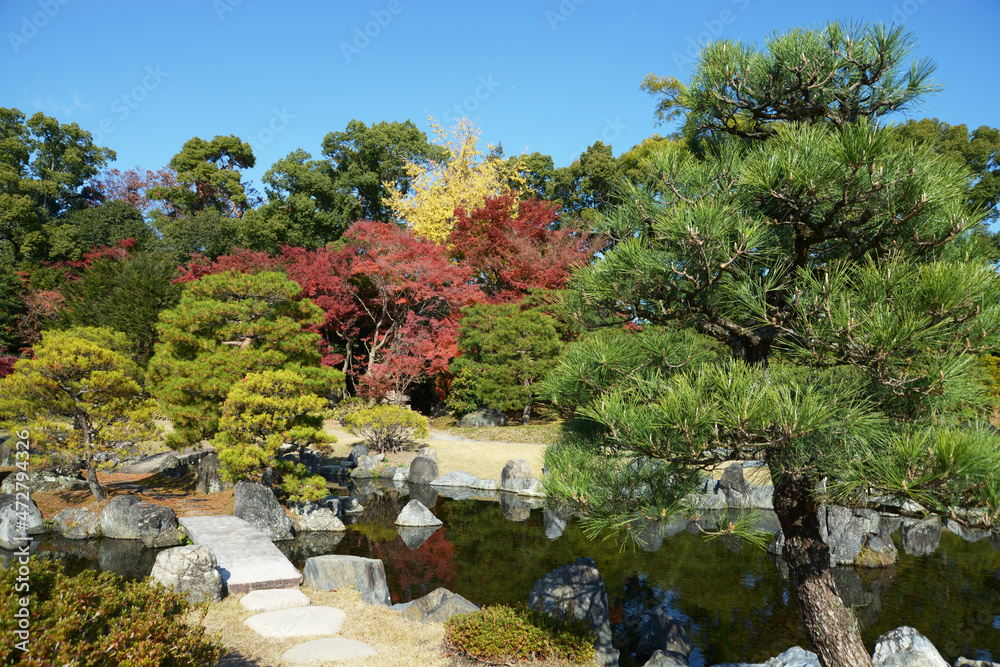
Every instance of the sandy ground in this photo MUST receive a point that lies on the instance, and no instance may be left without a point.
(484, 459)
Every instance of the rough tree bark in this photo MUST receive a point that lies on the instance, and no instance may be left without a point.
(831, 626)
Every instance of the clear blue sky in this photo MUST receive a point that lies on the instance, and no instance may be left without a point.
(550, 76)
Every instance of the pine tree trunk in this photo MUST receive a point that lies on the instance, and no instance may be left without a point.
(830, 625)
(526, 415)
(82, 423)
(95, 486)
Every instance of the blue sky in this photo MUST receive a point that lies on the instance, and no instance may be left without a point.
(551, 76)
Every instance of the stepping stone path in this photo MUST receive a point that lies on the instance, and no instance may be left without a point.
(290, 614)
(297, 622)
(327, 650)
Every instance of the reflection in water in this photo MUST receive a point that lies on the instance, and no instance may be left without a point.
(733, 600)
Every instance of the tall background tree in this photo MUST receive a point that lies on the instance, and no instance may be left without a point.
(839, 276)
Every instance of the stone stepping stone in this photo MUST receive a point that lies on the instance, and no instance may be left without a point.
(325, 651)
(297, 622)
(273, 600)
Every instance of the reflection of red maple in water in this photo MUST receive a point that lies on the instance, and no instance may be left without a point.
(420, 571)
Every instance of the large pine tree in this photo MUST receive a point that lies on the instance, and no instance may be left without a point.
(838, 277)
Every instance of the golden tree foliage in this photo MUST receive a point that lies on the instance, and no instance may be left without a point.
(467, 178)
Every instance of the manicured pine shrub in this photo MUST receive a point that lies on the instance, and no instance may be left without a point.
(386, 427)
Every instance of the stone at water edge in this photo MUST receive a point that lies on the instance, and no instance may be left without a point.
(428, 453)
(436, 607)
(128, 518)
(457, 478)
(190, 570)
(905, 647)
(366, 575)
(317, 516)
(256, 504)
(297, 622)
(515, 476)
(326, 650)
(577, 588)
(274, 600)
(77, 523)
(423, 470)
(416, 515)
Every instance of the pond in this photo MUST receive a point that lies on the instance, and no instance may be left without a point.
(732, 598)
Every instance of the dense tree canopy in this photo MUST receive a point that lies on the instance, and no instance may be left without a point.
(838, 275)
(225, 326)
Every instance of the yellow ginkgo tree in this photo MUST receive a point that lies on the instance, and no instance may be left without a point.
(465, 180)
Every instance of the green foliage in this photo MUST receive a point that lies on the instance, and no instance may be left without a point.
(348, 405)
(96, 619)
(264, 411)
(503, 352)
(991, 367)
(44, 167)
(507, 635)
(12, 289)
(82, 230)
(79, 395)
(226, 326)
(126, 295)
(386, 427)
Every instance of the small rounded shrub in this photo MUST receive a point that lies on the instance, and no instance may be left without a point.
(501, 634)
(386, 427)
(97, 619)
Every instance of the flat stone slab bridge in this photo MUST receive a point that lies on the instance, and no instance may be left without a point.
(248, 560)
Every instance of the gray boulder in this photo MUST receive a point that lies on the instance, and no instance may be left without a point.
(367, 575)
(190, 570)
(921, 538)
(457, 478)
(666, 659)
(423, 470)
(207, 479)
(483, 417)
(29, 517)
(515, 476)
(660, 631)
(733, 486)
(484, 485)
(12, 532)
(577, 590)
(128, 518)
(966, 662)
(429, 453)
(153, 464)
(256, 504)
(40, 482)
(415, 515)
(357, 452)
(436, 607)
(905, 647)
(843, 532)
(317, 516)
(77, 523)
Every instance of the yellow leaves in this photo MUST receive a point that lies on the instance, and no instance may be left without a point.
(465, 181)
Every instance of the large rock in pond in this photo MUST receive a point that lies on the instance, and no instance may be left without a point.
(128, 518)
(905, 647)
(416, 515)
(367, 575)
(483, 417)
(660, 631)
(423, 470)
(577, 590)
(191, 571)
(256, 504)
(207, 478)
(921, 538)
(436, 607)
(515, 476)
(77, 523)
(317, 516)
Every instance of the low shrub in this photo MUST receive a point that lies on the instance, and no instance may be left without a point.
(386, 427)
(348, 405)
(502, 634)
(97, 619)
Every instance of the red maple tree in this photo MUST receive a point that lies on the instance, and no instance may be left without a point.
(132, 185)
(512, 247)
